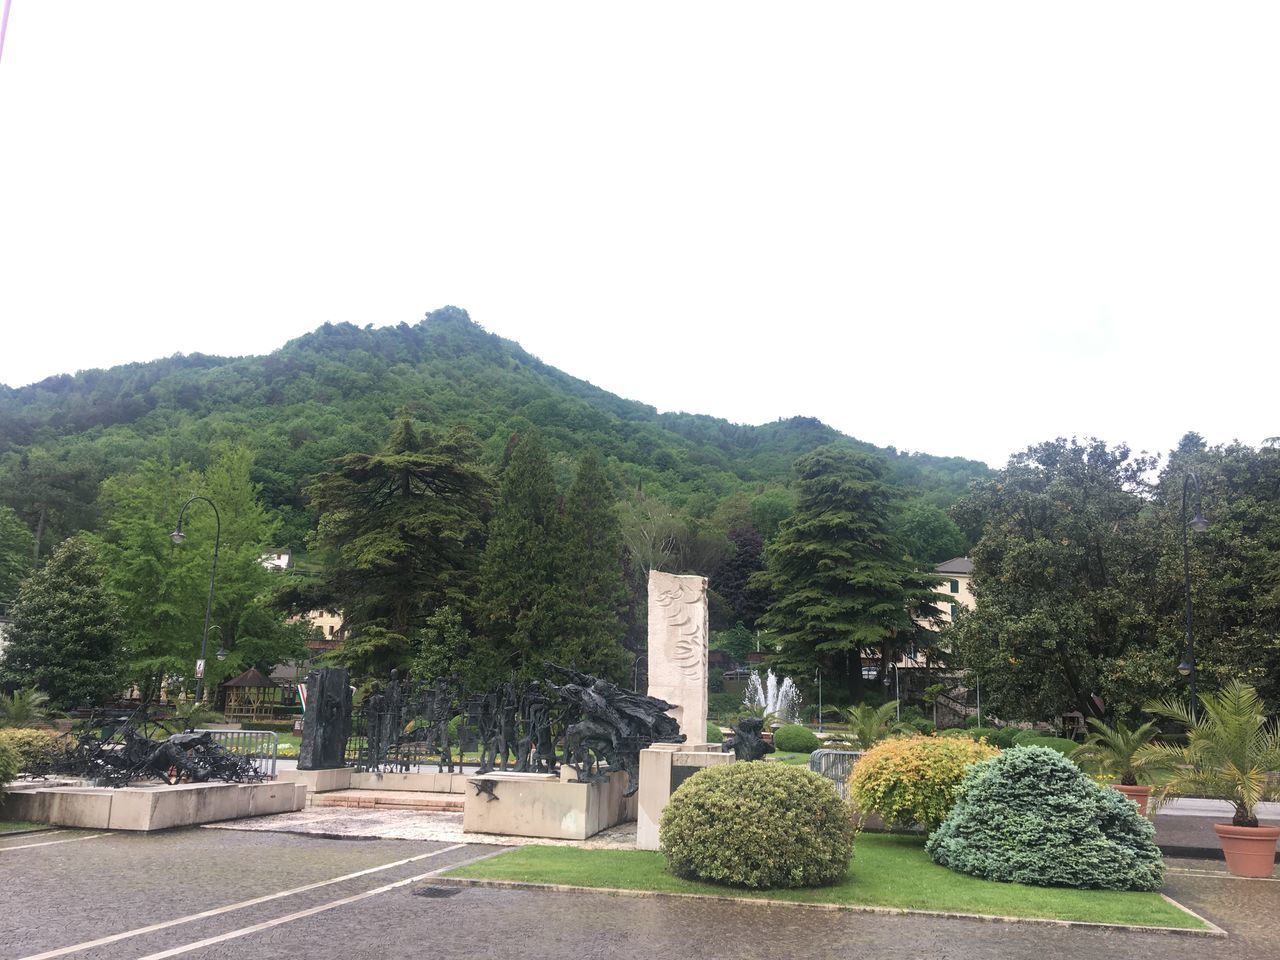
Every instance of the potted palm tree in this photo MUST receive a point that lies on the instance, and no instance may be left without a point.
(1117, 752)
(1230, 754)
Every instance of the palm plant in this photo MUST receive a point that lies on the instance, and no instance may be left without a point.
(1229, 753)
(1116, 751)
(869, 725)
(25, 708)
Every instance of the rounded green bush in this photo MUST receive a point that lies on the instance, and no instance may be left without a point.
(913, 780)
(793, 738)
(757, 825)
(713, 733)
(9, 762)
(1030, 815)
(1061, 744)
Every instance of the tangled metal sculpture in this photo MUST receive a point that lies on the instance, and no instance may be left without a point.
(114, 751)
(586, 723)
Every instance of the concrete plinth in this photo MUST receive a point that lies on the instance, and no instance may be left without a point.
(417, 782)
(147, 808)
(544, 805)
(320, 781)
(663, 767)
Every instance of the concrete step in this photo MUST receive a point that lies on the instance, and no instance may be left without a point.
(391, 800)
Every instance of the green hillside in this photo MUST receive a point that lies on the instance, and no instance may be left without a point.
(334, 391)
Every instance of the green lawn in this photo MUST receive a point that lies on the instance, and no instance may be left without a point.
(794, 759)
(13, 826)
(887, 871)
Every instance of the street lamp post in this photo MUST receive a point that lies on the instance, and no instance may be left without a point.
(1199, 524)
(177, 537)
(897, 695)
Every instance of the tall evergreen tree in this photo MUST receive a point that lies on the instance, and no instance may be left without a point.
(841, 587)
(595, 595)
(521, 605)
(403, 529)
(67, 631)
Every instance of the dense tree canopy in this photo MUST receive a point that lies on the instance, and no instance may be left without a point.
(1060, 574)
(67, 632)
(17, 550)
(841, 585)
(162, 588)
(401, 532)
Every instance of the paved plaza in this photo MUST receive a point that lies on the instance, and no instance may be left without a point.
(208, 893)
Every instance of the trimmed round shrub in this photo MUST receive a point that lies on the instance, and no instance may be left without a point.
(1061, 744)
(713, 733)
(913, 780)
(38, 750)
(8, 765)
(793, 738)
(757, 825)
(1031, 816)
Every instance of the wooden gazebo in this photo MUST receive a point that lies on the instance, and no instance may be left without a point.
(252, 696)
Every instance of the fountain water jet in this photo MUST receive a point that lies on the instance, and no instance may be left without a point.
(780, 698)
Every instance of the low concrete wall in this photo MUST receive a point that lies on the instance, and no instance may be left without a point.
(319, 781)
(152, 807)
(422, 782)
(663, 767)
(544, 805)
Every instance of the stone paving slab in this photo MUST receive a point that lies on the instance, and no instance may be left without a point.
(400, 824)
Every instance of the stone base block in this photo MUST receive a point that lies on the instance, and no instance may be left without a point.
(544, 805)
(319, 781)
(417, 782)
(153, 807)
(663, 767)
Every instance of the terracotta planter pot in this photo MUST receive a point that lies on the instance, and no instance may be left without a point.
(1250, 851)
(1138, 794)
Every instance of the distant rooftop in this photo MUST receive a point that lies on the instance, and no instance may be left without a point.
(961, 565)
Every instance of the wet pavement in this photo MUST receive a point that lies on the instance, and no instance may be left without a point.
(62, 894)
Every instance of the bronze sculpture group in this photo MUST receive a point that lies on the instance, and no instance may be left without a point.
(584, 722)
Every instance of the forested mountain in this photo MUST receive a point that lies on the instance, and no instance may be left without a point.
(334, 391)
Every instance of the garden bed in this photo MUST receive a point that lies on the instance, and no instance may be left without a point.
(887, 871)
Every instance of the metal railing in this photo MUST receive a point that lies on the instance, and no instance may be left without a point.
(835, 765)
(260, 746)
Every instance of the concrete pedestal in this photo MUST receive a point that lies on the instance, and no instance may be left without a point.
(544, 805)
(663, 767)
(147, 808)
(319, 781)
(421, 782)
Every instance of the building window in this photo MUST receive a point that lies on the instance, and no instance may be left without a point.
(955, 586)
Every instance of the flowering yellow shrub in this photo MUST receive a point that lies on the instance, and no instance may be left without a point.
(36, 749)
(913, 780)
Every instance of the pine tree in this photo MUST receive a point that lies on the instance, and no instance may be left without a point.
(404, 529)
(595, 595)
(66, 632)
(521, 605)
(841, 587)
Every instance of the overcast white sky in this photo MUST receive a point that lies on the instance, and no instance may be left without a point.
(954, 227)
